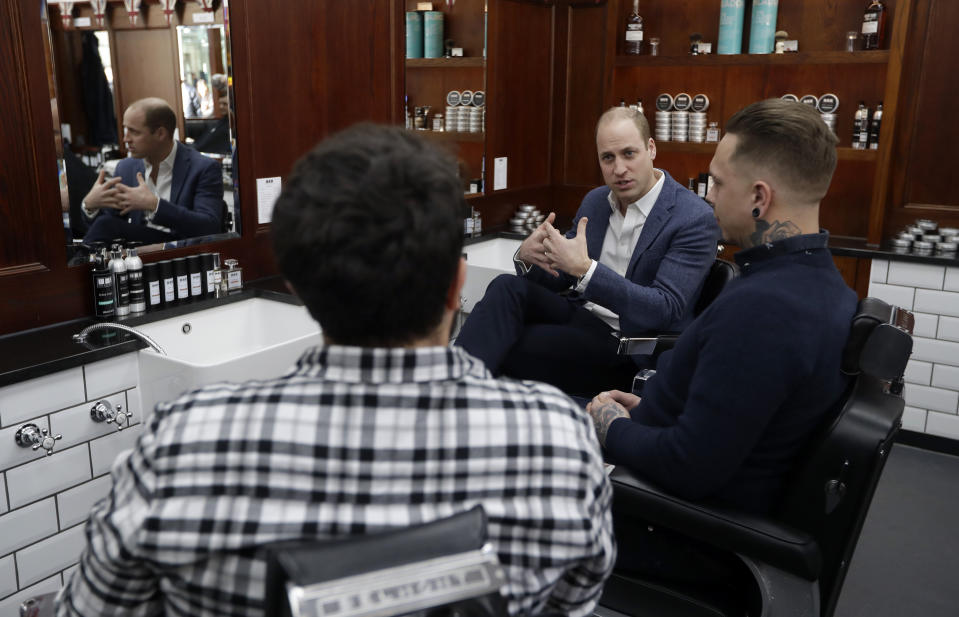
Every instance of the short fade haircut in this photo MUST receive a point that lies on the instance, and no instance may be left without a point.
(791, 140)
(627, 113)
(368, 230)
(157, 113)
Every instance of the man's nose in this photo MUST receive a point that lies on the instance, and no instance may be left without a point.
(619, 166)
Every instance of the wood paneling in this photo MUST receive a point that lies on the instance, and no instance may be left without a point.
(923, 161)
(145, 64)
(519, 105)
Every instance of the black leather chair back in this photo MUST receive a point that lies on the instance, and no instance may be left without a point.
(442, 568)
(831, 492)
(720, 273)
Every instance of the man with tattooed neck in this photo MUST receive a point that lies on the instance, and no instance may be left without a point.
(730, 407)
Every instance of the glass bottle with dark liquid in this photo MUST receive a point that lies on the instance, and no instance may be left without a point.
(634, 32)
(874, 25)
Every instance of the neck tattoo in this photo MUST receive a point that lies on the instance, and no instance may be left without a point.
(770, 231)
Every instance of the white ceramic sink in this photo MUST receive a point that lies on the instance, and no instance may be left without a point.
(485, 261)
(250, 339)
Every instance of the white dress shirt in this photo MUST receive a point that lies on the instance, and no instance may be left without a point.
(622, 234)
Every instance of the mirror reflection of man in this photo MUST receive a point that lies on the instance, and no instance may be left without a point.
(163, 191)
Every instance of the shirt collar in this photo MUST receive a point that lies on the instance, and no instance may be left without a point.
(644, 203)
(793, 244)
(378, 365)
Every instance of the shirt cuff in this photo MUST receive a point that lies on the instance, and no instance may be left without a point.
(522, 265)
(149, 215)
(89, 213)
(583, 281)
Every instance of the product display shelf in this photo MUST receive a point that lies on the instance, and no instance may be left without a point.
(688, 147)
(452, 63)
(453, 136)
(879, 56)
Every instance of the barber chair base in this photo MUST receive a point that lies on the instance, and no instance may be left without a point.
(626, 596)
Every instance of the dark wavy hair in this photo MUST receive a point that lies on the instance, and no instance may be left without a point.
(369, 231)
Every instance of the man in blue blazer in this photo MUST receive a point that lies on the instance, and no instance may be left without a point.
(163, 191)
(634, 262)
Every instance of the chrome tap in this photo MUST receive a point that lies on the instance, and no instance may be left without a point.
(81, 337)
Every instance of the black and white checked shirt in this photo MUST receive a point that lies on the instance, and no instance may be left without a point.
(351, 440)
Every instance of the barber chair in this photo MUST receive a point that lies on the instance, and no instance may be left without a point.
(720, 273)
(437, 569)
(797, 558)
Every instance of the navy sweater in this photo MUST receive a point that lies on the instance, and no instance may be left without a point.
(732, 404)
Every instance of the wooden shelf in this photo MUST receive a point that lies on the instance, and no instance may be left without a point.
(879, 56)
(453, 136)
(688, 147)
(473, 195)
(446, 63)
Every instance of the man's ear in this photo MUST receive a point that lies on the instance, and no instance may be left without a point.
(456, 287)
(762, 196)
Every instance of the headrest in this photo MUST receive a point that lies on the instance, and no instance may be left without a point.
(880, 340)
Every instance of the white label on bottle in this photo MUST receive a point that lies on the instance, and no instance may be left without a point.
(196, 284)
(870, 27)
(154, 293)
(634, 35)
(169, 290)
(183, 286)
(234, 279)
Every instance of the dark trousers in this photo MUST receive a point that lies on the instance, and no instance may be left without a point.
(522, 330)
(105, 227)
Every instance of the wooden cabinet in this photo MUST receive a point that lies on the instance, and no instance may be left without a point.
(733, 81)
(429, 80)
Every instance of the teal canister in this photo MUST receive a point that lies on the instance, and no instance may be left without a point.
(432, 34)
(414, 34)
(762, 29)
(731, 16)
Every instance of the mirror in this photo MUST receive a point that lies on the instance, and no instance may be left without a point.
(97, 66)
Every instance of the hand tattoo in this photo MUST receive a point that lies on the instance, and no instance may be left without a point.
(603, 416)
(770, 232)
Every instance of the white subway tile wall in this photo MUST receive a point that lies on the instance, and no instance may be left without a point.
(915, 275)
(11, 604)
(104, 451)
(914, 419)
(51, 474)
(27, 525)
(926, 324)
(948, 329)
(919, 373)
(8, 576)
(50, 556)
(73, 505)
(932, 376)
(28, 399)
(879, 270)
(952, 279)
(943, 424)
(41, 527)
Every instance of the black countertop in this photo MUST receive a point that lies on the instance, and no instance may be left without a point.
(847, 247)
(43, 351)
(35, 353)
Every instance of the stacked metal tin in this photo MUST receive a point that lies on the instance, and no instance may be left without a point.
(526, 219)
(681, 118)
(925, 237)
(466, 111)
(664, 117)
